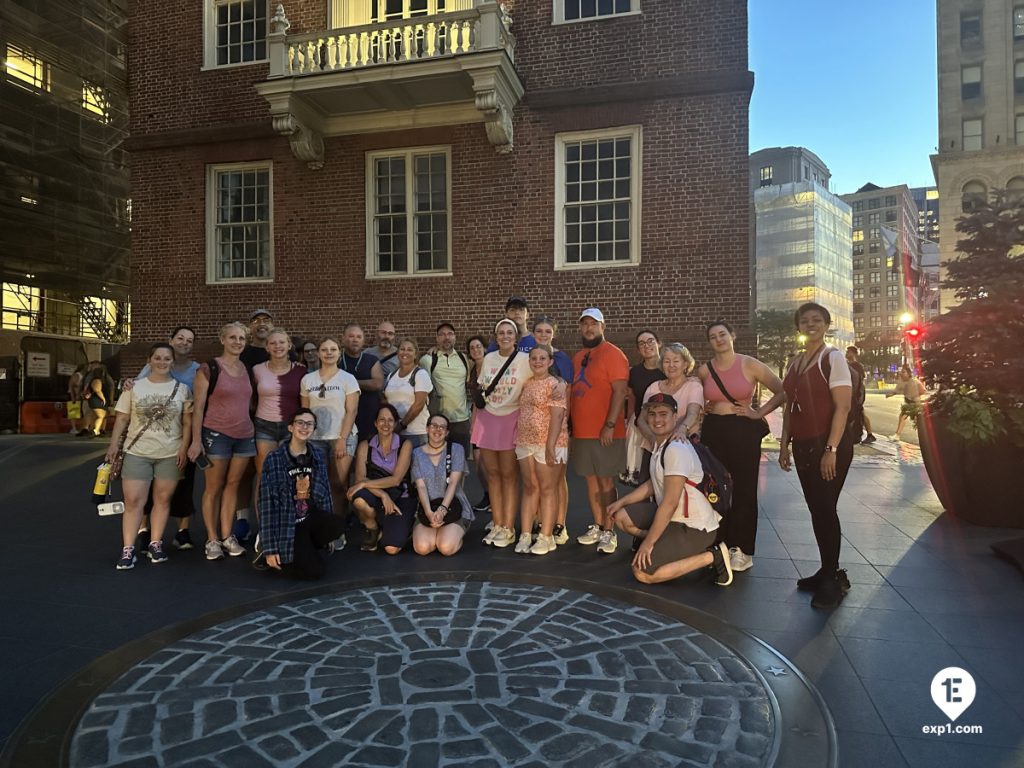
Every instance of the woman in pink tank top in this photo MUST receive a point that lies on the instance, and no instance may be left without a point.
(733, 430)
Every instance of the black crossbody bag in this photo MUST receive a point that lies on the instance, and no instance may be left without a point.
(760, 426)
(480, 398)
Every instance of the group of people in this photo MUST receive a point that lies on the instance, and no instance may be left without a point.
(320, 432)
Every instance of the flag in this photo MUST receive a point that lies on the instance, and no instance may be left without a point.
(889, 238)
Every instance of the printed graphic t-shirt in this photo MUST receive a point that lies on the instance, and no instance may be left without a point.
(148, 403)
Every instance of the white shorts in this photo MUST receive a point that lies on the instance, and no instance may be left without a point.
(538, 451)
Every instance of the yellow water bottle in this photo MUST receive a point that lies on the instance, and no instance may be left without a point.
(102, 484)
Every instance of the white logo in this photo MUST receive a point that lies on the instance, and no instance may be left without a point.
(953, 691)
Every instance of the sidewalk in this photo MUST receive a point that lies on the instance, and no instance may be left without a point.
(927, 594)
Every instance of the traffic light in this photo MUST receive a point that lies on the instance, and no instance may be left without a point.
(913, 332)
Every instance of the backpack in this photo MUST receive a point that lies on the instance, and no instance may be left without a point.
(717, 482)
(855, 418)
(433, 361)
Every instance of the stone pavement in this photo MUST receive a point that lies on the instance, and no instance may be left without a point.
(927, 594)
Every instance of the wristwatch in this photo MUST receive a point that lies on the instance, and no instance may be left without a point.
(830, 449)
(610, 424)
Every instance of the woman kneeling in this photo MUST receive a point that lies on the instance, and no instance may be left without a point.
(678, 532)
(297, 520)
(444, 513)
(380, 495)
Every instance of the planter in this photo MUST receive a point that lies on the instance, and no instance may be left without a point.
(981, 483)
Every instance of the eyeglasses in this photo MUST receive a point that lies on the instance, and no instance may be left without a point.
(302, 423)
(647, 342)
(438, 426)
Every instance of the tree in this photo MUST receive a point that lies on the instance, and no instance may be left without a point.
(974, 354)
(776, 337)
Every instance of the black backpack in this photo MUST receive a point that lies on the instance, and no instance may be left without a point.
(855, 418)
(717, 483)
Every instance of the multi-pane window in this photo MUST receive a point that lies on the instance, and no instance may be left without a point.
(95, 102)
(873, 218)
(892, 290)
(973, 195)
(891, 305)
(875, 306)
(970, 82)
(23, 68)
(409, 212)
(874, 262)
(876, 322)
(766, 175)
(972, 135)
(858, 263)
(874, 202)
(874, 233)
(858, 323)
(970, 29)
(240, 223)
(858, 235)
(858, 205)
(388, 10)
(1018, 22)
(890, 319)
(890, 217)
(876, 277)
(237, 32)
(858, 293)
(858, 307)
(873, 248)
(858, 220)
(597, 196)
(858, 249)
(578, 10)
(874, 291)
(858, 278)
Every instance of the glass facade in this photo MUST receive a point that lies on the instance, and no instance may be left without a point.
(803, 252)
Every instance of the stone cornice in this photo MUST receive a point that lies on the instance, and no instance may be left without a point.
(691, 84)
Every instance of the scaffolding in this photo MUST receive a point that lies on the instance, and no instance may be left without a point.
(65, 210)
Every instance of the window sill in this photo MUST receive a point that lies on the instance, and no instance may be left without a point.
(408, 275)
(563, 267)
(567, 22)
(219, 67)
(240, 281)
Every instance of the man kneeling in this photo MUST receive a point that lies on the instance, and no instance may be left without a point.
(678, 531)
(297, 520)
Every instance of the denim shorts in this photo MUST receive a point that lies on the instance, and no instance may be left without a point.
(217, 445)
(327, 446)
(271, 431)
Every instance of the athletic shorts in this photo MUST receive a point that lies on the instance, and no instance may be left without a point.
(142, 468)
(677, 542)
(589, 458)
(495, 433)
(538, 452)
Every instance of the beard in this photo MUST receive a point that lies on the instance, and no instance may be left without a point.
(591, 343)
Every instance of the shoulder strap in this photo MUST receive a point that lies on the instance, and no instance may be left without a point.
(447, 460)
(464, 359)
(496, 379)
(214, 373)
(718, 381)
(433, 361)
(388, 357)
(148, 424)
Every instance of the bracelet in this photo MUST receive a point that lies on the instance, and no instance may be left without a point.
(443, 506)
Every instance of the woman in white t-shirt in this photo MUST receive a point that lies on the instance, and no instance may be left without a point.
(333, 396)
(678, 531)
(407, 389)
(494, 430)
(157, 412)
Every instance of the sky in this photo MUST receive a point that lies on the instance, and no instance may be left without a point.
(855, 83)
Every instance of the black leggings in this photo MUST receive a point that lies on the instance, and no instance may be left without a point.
(312, 536)
(735, 443)
(823, 495)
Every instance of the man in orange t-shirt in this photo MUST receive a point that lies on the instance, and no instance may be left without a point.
(598, 448)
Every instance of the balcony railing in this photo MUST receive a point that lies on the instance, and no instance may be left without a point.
(485, 28)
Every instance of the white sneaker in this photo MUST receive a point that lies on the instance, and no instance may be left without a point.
(543, 545)
(232, 547)
(561, 536)
(491, 533)
(504, 537)
(214, 551)
(525, 542)
(608, 542)
(592, 535)
(739, 560)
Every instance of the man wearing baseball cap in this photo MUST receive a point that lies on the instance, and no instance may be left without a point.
(677, 532)
(261, 323)
(598, 447)
(518, 311)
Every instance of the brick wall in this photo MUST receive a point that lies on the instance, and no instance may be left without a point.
(695, 210)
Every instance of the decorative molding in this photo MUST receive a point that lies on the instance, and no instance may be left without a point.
(307, 145)
(690, 84)
(497, 119)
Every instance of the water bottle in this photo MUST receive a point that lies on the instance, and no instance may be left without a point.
(102, 485)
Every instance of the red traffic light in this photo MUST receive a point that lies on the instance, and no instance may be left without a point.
(913, 332)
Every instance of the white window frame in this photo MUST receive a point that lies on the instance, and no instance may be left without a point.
(410, 210)
(635, 134)
(212, 254)
(210, 37)
(980, 135)
(558, 13)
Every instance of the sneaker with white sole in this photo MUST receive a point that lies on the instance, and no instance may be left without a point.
(591, 536)
(155, 552)
(525, 542)
(504, 537)
(214, 551)
(491, 533)
(127, 561)
(560, 535)
(232, 547)
(739, 560)
(543, 545)
(720, 562)
(183, 539)
(608, 542)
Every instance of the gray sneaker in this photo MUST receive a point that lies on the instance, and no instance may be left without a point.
(591, 536)
(608, 542)
(232, 547)
(739, 560)
(214, 551)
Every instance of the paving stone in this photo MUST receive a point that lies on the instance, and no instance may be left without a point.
(431, 675)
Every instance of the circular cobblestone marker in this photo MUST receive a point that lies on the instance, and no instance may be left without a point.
(438, 674)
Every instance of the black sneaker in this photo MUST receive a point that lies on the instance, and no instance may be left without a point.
(637, 541)
(127, 561)
(810, 583)
(484, 505)
(831, 591)
(721, 564)
(536, 528)
(155, 552)
(144, 538)
(371, 538)
(183, 539)
(868, 440)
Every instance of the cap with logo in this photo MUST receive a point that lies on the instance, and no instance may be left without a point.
(593, 313)
(257, 312)
(660, 398)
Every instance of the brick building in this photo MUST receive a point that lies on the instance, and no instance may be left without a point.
(422, 160)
